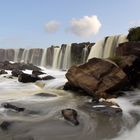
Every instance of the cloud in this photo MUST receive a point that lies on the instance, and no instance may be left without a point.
(52, 26)
(85, 26)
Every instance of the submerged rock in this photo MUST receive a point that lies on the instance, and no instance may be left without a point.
(102, 106)
(97, 77)
(13, 107)
(5, 125)
(45, 95)
(71, 116)
(26, 78)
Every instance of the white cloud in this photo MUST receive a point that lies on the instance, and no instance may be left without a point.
(85, 26)
(52, 26)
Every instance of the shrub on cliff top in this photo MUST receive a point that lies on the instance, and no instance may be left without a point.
(134, 34)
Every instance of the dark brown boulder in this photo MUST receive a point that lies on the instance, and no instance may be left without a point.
(131, 66)
(128, 48)
(16, 72)
(70, 115)
(26, 78)
(97, 77)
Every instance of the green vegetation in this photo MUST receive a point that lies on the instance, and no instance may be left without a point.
(134, 34)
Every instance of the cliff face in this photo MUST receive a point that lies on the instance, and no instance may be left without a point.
(7, 54)
(57, 57)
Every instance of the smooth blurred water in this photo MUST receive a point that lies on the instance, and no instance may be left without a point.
(42, 119)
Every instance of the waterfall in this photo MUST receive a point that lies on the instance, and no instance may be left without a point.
(26, 59)
(106, 48)
(55, 57)
(97, 50)
(16, 55)
(84, 54)
(43, 60)
(67, 58)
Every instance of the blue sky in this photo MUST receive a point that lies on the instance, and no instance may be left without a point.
(22, 22)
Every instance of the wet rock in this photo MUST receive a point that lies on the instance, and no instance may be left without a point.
(6, 65)
(26, 78)
(105, 107)
(97, 77)
(70, 115)
(13, 107)
(77, 52)
(128, 48)
(48, 77)
(5, 125)
(16, 72)
(3, 72)
(45, 95)
(37, 72)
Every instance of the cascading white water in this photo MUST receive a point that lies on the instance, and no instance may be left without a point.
(23, 55)
(84, 54)
(106, 48)
(43, 60)
(97, 50)
(26, 59)
(67, 58)
(55, 57)
(59, 59)
(110, 45)
(16, 55)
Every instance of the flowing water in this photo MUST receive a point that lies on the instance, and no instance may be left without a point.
(42, 119)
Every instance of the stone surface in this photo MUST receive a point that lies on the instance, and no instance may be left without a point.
(16, 72)
(97, 77)
(70, 115)
(128, 48)
(27, 78)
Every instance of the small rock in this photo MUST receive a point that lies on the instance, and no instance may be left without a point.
(10, 106)
(48, 77)
(5, 125)
(45, 95)
(70, 115)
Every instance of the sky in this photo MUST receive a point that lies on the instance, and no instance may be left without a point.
(42, 23)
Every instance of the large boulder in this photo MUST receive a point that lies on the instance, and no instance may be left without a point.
(97, 77)
(128, 48)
